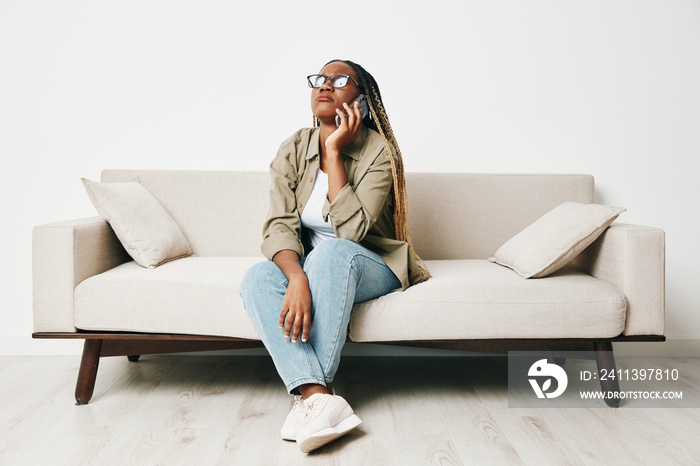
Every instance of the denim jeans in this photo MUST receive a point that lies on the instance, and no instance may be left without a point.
(340, 273)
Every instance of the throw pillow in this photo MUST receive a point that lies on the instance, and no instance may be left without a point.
(556, 238)
(146, 230)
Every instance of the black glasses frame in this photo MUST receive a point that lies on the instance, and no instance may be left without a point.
(328, 79)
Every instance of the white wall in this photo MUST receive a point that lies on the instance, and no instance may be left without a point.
(602, 87)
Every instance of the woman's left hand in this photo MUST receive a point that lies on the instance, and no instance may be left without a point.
(348, 130)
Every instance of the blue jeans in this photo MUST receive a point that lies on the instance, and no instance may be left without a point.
(340, 273)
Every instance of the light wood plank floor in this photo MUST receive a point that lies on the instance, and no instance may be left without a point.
(224, 410)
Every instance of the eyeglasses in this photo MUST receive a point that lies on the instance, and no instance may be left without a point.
(335, 80)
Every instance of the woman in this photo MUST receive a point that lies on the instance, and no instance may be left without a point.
(336, 234)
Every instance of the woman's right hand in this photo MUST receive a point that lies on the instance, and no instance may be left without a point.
(295, 317)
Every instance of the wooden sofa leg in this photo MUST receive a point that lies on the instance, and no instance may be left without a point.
(605, 360)
(133, 357)
(88, 371)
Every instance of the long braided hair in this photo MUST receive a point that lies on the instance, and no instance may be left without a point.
(378, 120)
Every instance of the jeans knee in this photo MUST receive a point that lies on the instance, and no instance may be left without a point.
(332, 258)
(333, 248)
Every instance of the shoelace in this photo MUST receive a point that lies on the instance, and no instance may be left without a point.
(297, 401)
(314, 406)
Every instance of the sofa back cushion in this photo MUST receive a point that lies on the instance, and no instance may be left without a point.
(451, 215)
(469, 216)
(221, 213)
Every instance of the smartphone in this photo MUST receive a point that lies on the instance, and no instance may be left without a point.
(364, 110)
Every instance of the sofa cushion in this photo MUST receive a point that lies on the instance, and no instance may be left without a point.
(194, 295)
(143, 226)
(465, 299)
(554, 239)
(475, 299)
(491, 208)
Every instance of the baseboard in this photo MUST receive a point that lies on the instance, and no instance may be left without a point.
(25, 345)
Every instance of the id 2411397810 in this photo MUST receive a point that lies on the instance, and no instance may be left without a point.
(649, 374)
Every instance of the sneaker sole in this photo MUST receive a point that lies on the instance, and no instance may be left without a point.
(325, 436)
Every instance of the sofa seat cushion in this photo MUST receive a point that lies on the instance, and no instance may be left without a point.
(193, 295)
(465, 299)
(477, 299)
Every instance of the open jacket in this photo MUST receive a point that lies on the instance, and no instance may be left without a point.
(361, 212)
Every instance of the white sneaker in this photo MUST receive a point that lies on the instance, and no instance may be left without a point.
(327, 418)
(292, 424)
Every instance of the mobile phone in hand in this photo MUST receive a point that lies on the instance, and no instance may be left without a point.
(364, 110)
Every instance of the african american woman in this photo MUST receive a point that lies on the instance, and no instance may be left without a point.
(336, 234)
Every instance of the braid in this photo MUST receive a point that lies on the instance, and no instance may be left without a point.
(378, 120)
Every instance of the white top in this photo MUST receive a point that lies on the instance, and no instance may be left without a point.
(311, 218)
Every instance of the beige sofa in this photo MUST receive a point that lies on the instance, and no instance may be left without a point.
(87, 287)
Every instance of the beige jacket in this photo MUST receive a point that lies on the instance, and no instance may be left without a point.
(361, 212)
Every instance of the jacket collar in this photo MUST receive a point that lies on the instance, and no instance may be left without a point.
(352, 150)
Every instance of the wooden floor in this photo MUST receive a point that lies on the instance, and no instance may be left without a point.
(227, 410)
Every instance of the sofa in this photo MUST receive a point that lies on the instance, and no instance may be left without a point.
(86, 286)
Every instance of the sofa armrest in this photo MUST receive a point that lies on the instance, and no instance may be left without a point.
(632, 257)
(63, 255)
